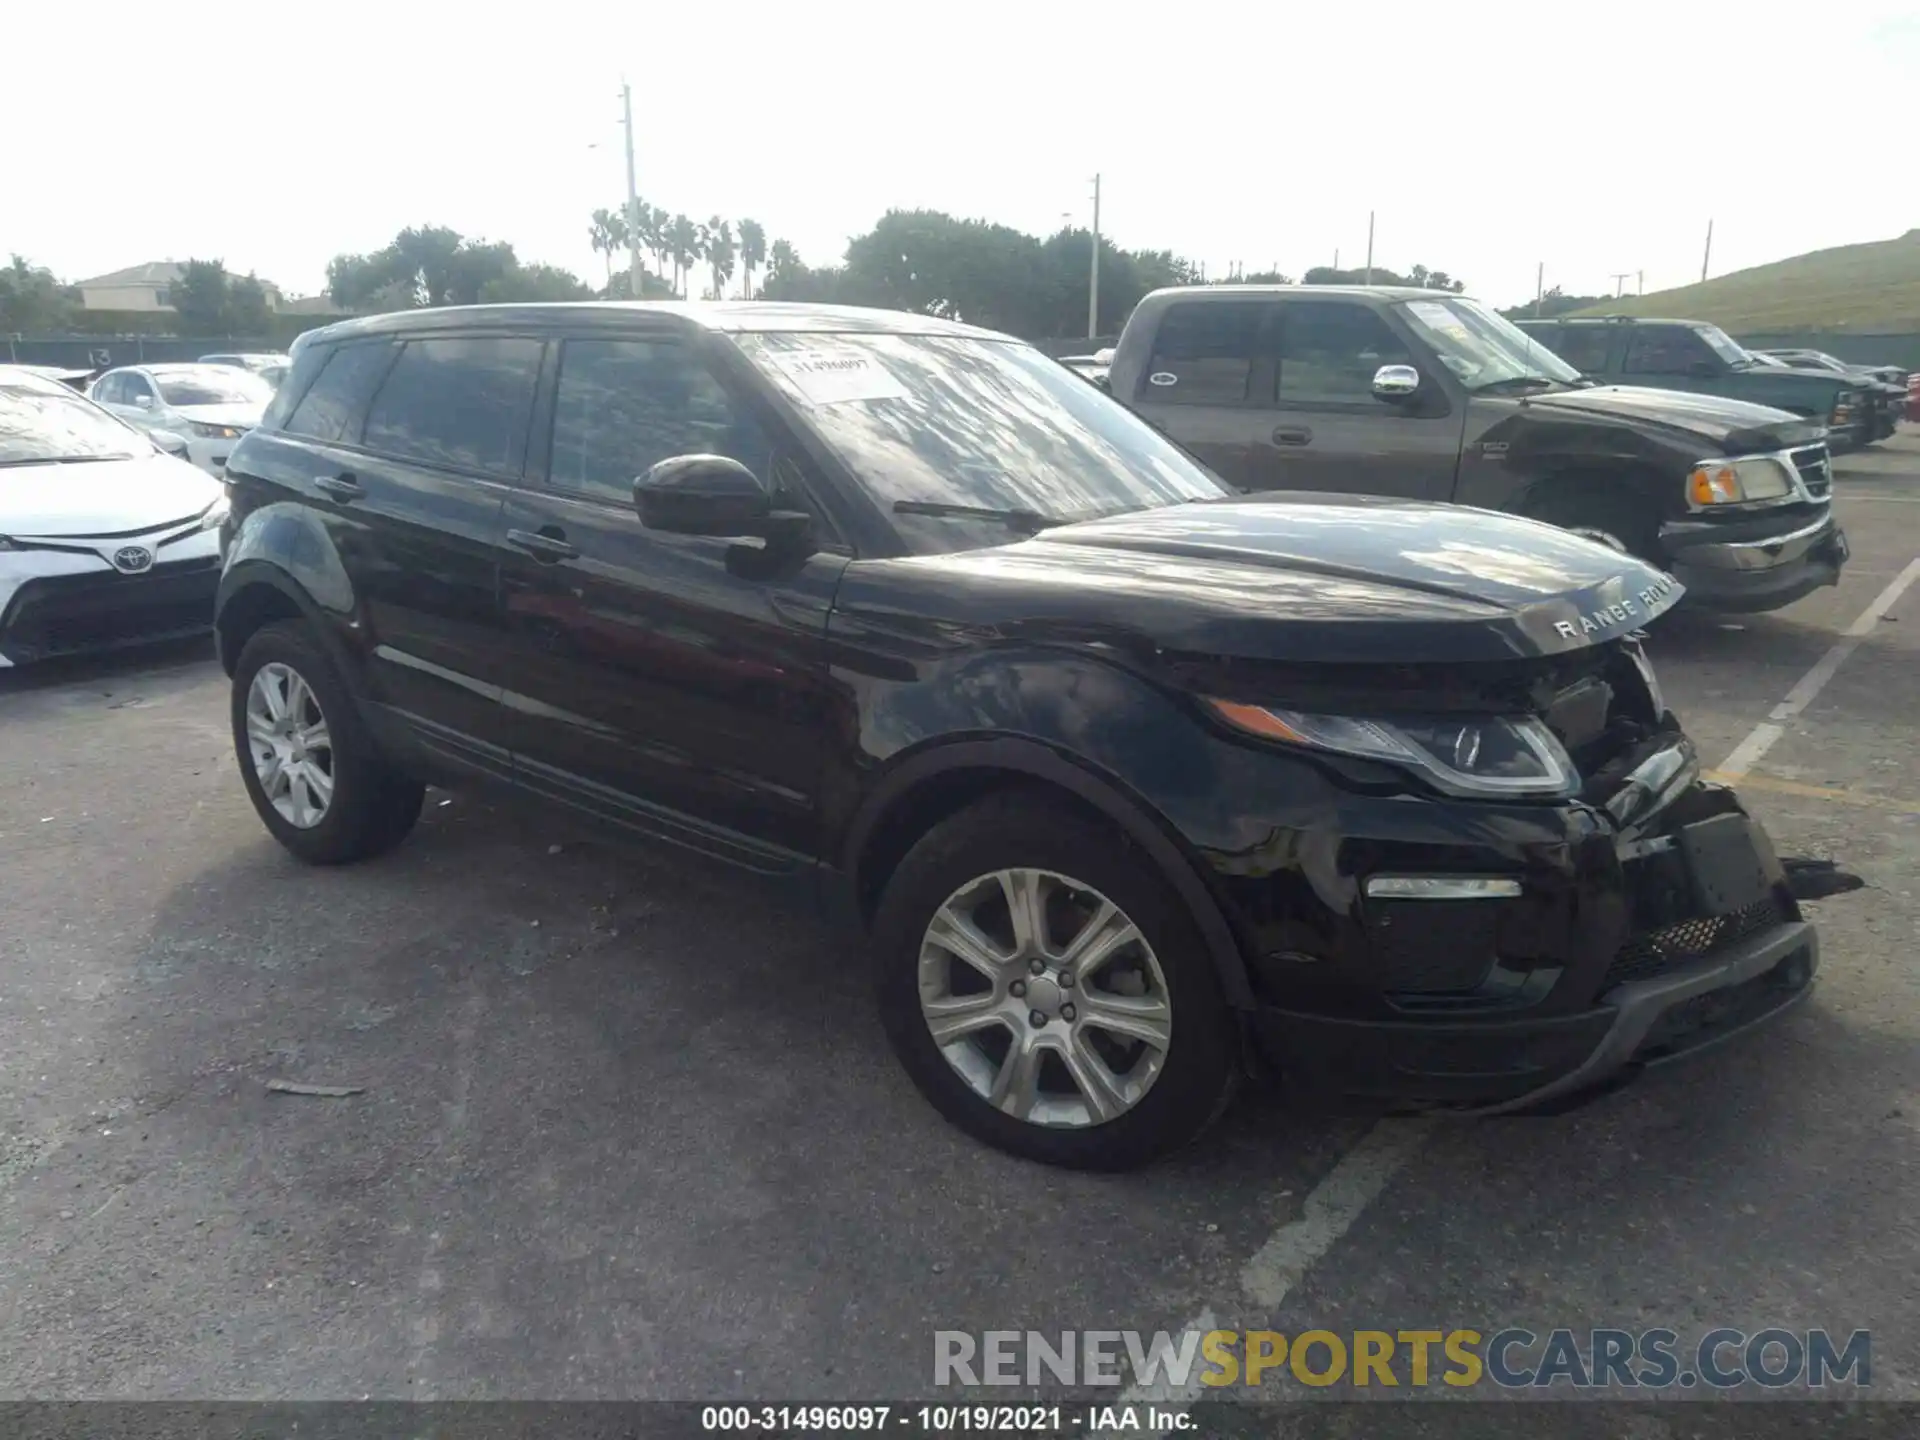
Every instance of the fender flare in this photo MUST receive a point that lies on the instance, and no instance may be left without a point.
(245, 575)
(1136, 819)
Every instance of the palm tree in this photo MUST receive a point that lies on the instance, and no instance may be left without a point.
(720, 252)
(658, 224)
(606, 225)
(753, 251)
(683, 246)
(782, 258)
(642, 226)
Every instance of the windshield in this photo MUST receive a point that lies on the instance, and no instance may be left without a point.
(1724, 345)
(213, 387)
(988, 425)
(1483, 348)
(38, 426)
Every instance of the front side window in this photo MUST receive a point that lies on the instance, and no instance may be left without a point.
(1205, 354)
(462, 403)
(1329, 352)
(1665, 350)
(41, 426)
(984, 424)
(1584, 347)
(625, 405)
(336, 402)
(111, 390)
(132, 387)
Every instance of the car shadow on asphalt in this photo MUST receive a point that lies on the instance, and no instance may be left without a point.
(167, 659)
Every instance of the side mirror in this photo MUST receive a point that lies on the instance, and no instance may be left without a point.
(143, 402)
(1395, 382)
(712, 495)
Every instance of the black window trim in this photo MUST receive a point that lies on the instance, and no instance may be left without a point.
(538, 478)
(400, 340)
(327, 353)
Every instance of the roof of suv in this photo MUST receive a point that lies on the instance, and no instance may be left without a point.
(730, 316)
(1378, 292)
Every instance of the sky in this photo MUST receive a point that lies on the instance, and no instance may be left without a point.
(1487, 139)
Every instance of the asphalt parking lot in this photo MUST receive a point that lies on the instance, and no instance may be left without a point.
(620, 1134)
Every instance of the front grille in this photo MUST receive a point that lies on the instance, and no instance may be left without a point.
(1815, 470)
(99, 610)
(1657, 951)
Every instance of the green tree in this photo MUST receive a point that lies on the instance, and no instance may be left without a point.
(32, 301)
(199, 298)
(534, 283)
(247, 311)
(607, 233)
(753, 251)
(683, 248)
(782, 258)
(721, 253)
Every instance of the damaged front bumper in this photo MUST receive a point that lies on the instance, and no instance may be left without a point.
(1671, 929)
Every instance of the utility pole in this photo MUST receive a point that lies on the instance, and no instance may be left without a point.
(1640, 282)
(1539, 288)
(1093, 268)
(1707, 254)
(633, 197)
(1369, 279)
(1620, 283)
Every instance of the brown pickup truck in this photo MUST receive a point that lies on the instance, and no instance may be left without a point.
(1430, 396)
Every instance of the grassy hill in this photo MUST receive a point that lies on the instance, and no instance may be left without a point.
(1865, 289)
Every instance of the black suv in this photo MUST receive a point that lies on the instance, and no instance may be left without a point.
(1132, 783)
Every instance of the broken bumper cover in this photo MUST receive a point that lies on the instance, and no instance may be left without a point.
(1494, 1067)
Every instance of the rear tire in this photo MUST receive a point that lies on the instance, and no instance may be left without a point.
(1018, 1025)
(298, 734)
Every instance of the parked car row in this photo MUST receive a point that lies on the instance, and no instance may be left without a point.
(207, 406)
(1433, 397)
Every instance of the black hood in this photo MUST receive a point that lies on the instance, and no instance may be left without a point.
(1736, 427)
(1299, 578)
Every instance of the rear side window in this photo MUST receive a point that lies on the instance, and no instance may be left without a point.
(1329, 352)
(1205, 355)
(336, 402)
(1584, 347)
(1664, 350)
(625, 405)
(109, 391)
(462, 403)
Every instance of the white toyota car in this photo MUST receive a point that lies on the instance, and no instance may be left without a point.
(105, 539)
(210, 406)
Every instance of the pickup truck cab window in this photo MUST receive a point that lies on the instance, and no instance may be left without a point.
(1329, 351)
(1208, 355)
(1584, 347)
(1666, 350)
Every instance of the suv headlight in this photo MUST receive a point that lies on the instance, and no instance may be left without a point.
(1484, 757)
(1737, 482)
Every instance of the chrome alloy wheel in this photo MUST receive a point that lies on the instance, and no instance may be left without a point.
(292, 750)
(1045, 998)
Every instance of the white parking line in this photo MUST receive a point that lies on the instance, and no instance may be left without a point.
(1750, 751)
(1332, 1207)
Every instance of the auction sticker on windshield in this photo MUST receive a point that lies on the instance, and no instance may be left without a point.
(835, 377)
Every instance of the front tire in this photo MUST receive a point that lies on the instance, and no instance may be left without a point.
(1048, 991)
(315, 777)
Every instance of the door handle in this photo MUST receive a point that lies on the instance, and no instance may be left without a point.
(548, 544)
(1292, 435)
(340, 487)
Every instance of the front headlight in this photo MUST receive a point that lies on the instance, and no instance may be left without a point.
(1843, 407)
(1480, 756)
(1737, 482)
(216, 432)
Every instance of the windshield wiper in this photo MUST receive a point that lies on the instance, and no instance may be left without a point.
(1018, 517)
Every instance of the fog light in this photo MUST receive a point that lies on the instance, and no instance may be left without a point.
(1440, 887)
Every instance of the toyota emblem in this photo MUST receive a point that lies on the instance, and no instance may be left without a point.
(132, 559)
